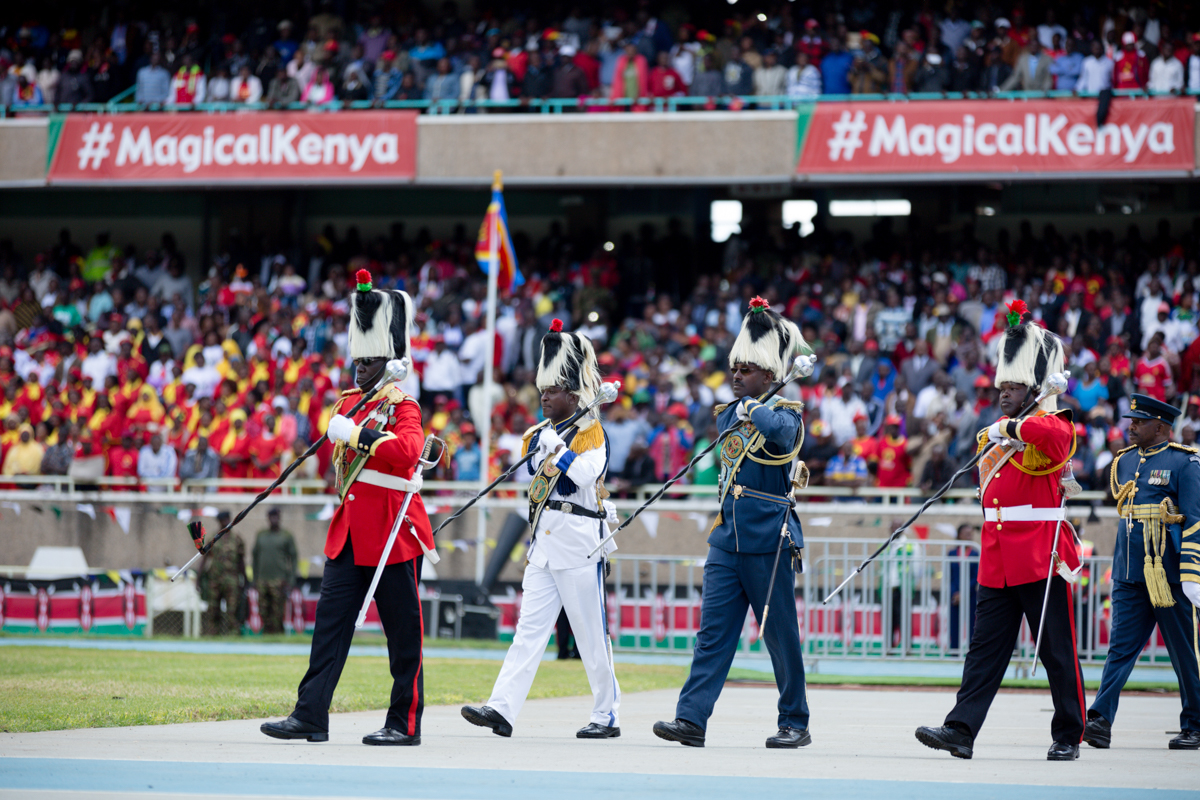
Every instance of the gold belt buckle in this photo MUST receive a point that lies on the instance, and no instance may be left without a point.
(999, 514)
(737, 491)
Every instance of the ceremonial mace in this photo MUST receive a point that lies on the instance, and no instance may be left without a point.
(394, 370)
(1056, 384)
(802, 367)
(608, 393)
(423, 463)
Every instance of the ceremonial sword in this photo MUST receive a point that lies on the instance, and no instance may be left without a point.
(394, 370)
(1056, 384)
(423, 463)
(1071, 488)
(783, 535)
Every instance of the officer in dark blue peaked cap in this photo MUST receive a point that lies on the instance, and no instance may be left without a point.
(755, 489)
(1156, 569)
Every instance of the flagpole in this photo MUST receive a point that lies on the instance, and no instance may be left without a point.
(485, 424)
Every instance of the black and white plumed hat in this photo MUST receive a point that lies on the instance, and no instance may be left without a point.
(767, 340)
(1029, 354)
(568, 360)
(379, 321)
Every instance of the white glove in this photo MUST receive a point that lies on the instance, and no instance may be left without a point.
(550, 441)
(612, 519)
(742, 413)
(1192, 590)
(994, 433)
(341, 428)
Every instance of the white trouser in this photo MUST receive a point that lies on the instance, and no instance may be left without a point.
(581, 592)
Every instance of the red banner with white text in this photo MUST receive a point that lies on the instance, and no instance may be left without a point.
(999, 136)
(260, 147)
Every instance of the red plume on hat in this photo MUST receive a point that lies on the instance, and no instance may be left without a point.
(363, 277)
(759, 305)
(556, 326)
(1016, 310)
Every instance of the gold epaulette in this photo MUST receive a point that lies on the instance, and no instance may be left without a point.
(529, 435)
(589, 437)
(1125, 450)
(1184, 447)
(393, 394)
(790, 405)
(718, 408)
(349, 392)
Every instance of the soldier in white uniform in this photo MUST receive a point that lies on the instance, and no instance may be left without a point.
(569, 516)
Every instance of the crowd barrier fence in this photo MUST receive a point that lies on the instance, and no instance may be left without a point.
(559, 105)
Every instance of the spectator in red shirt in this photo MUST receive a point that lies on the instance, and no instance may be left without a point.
(131, 363)
(122, 461)
(631, 77)
(895, 464)
(864, 445)
(1131, 68)
(664, 80)
(264, 451)
(1152, 373)
(234, 448)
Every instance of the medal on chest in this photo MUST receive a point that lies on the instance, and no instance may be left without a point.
(1159, 477)
(539, 490)
(735, 445)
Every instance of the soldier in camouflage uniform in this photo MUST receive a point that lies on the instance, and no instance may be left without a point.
(223, 578)
(274, 571)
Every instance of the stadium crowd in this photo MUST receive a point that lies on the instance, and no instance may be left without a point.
(115, 361)
(171, 58)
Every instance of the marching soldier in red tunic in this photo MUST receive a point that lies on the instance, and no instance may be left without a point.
(1021, 485)
(375, 455)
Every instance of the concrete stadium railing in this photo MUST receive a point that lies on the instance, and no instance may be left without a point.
(555, 105)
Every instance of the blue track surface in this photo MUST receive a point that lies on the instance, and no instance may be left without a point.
(300, 780)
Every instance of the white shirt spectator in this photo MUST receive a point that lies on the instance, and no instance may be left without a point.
(804, 83)
(218, 89)
(1166, 75)
(683, 59)
(442, 372)
(1045, 34)
(1181, 330)
(839, 415)
(162, 464)
(214, 354)
(161, 373)
(954, 32)
(473, 355)
(889, 326)
(770, 81)
(930, 402)
(245, 91)
(1095, 75)
(1194, 73)
(98, 366)
(205, 378)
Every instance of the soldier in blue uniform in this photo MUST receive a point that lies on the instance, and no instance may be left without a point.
(756, 511)
(1156, 570)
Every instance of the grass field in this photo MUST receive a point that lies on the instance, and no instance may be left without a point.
(48, 688)
(52, 688)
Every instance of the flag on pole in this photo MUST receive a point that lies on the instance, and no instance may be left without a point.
(495, 242)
